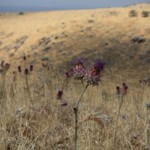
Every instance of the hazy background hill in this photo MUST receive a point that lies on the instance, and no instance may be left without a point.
(57, 37)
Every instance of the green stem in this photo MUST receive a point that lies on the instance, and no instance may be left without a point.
(119, 110)
(28, 89)
(76, 119)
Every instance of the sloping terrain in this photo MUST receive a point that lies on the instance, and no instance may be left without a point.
(56, 37)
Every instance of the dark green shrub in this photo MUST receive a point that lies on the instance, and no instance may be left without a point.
(21, 13)
(132, 13)
(145, 13)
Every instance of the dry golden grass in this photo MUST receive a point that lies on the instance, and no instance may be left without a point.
(48, 125)
(54, 38)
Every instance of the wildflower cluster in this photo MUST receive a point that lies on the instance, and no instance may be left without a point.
(4, 67)
(91, 75)
(122, 90)
(26, 70)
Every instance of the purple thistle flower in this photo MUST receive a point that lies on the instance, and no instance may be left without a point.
(79, 72)
(92, 77)
(99, 65)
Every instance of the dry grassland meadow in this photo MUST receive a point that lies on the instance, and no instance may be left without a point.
(75, 80)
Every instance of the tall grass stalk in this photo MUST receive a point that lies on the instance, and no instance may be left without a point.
(28, 88)
(117, 119)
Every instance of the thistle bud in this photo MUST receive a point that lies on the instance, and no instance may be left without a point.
(118, 90)
(59, 95)
(31, 68)
(19, 69)
(26, 71)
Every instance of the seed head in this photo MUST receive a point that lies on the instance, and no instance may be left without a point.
(19, 69)
(59, 95)
(118, 92)
(26, 71)
(123, 84)
(31, 68)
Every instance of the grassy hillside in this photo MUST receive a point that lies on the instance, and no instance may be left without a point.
(112, 34)
(38, 102)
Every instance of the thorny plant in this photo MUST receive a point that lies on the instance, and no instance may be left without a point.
(121, 92)
(4, 68)
(91, 76)
(26, 73)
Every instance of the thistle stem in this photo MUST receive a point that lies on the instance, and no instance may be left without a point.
(28, 89)
(119, 110)
(76, 118)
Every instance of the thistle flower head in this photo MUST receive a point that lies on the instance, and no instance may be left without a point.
(59, 94)
(26, 71)
(79, 72)
(124, 84)
(122, 90)
(118, 90)
(99, 65)
(91, 78)
(4, 67)
(19, 69)
(79, 69)
(93, 75)
(31, 68)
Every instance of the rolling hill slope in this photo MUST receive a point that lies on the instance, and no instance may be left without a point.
(58, 36)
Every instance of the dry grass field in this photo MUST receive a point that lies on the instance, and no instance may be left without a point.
(39, 48)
